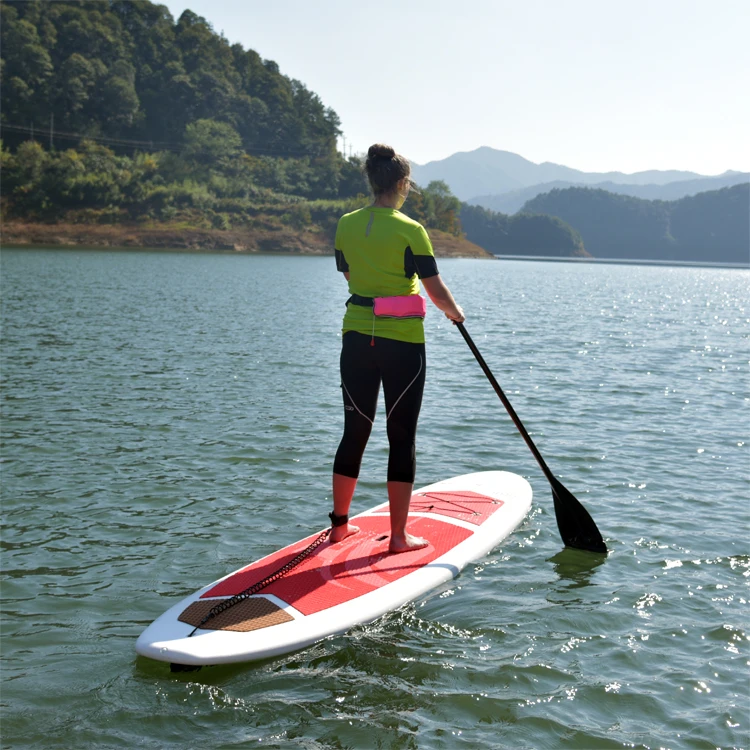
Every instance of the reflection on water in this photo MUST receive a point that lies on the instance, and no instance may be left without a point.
(575, 568)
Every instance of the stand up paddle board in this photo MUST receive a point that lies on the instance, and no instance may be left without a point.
(337, 586)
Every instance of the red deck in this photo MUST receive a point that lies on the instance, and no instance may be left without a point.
(336, 573)
(465, 506)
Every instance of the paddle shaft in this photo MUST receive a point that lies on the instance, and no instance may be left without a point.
(576, 526)
(525, 435)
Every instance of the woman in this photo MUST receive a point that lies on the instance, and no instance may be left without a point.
(383, 254)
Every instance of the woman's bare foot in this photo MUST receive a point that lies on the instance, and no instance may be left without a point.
(406, 543)
(339, 533)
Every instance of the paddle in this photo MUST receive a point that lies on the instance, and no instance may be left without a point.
(576, 526)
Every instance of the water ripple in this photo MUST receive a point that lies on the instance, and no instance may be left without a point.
(170, 417)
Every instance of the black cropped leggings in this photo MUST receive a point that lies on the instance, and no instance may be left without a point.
(401, 368)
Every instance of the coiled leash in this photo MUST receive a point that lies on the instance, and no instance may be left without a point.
(275, 576)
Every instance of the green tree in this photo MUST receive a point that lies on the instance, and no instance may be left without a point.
(211, 143)
(26, 67)
(75, 85)
(23, 176)
(435, 207)
(119, 98)
(443, 208)
(352, 180)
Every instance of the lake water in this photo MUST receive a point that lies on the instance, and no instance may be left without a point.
(169, 417)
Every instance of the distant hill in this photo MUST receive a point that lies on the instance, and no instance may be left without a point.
(522, 234)
(488, 171)
(712, 226)
(512, 201)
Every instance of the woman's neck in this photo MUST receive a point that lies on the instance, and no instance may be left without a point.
(389, 200)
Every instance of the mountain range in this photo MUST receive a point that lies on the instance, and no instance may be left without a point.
(504, 181)
(514, 200)
(713, 226)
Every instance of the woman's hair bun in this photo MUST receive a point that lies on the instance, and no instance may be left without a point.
(384, 168)
(380, 150)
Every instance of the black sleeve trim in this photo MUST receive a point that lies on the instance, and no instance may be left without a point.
(341, 264)
(426, 266)
(410, 267)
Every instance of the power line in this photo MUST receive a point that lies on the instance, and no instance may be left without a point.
(165, 145)
(157, 145)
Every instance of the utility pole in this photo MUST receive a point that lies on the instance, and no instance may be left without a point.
(344, 151)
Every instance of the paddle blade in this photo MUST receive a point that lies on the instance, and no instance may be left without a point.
(576, 526)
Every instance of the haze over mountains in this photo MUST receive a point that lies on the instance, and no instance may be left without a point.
(503, 181)
(513, 201)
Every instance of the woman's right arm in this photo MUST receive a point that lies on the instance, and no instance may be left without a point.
(443, 299)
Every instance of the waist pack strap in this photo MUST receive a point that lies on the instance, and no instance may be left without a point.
(357, 299)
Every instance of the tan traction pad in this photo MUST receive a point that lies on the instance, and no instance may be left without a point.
(249, 614)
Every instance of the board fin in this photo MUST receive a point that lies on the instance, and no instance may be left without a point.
(184, 667)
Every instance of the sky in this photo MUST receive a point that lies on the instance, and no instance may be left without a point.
(597, 85)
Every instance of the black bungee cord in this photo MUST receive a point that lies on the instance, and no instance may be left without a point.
(269, 579)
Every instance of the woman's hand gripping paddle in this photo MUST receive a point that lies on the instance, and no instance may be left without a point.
(576, 526)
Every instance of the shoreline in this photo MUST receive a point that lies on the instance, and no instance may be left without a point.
(128, 237)
(276, 241)
(629, 261)
(308, 253)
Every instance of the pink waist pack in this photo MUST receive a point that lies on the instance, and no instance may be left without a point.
(408, 306)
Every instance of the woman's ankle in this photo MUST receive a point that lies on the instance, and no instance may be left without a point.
(339, 533)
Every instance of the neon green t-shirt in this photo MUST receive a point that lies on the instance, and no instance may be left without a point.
(385, 253)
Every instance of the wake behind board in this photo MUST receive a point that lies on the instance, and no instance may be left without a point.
(344, 584)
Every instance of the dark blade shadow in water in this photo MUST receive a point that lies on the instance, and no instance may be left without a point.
(575, 568)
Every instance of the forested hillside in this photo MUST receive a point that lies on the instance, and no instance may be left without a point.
(127, 76)
(115, 114)
(520, 234)
(127, 71)
(711, 226)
